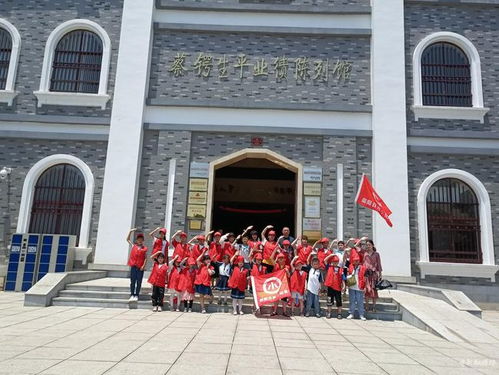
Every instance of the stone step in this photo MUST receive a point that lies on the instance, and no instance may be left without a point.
(123, 297)
(144, 304)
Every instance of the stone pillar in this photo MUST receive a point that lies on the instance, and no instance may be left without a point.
(389, 172)
(117, 212)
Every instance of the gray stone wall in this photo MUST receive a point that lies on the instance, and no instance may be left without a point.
(192, 89)
(21, 155)
(478, 23)
(185, 147)
(35, 20)
(485, 168)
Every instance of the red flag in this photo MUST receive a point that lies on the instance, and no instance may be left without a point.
(367, 197)
(270, 288)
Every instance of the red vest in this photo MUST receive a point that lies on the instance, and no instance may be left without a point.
(182, 250)
(268, 249)
(216, 252)
(137, 256)
(161, 245)
(196, 251)
(158, 275)
(303, 253)
(334, 277)
(297, 281)
(187, 278)
(228, 249)
(238, 279)
(202, 276)
(322, 254)
(174, 279)
(257, 272)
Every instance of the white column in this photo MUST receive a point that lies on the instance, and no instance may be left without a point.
(169, 197)
(339, 203)
(389, 134)
(117, 212)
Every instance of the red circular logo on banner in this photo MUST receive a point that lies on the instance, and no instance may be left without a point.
(272, 285)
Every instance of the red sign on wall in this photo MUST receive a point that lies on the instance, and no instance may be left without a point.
(256, 141)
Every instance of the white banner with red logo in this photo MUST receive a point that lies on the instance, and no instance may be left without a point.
(270, 288)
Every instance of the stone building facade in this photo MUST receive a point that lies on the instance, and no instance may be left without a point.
(194, 93)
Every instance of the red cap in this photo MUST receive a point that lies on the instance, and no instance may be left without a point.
(139, 235)
(217, 234)
(183, 234)
(162, 230)
(239, 259)
(325, 240)
(272, 233)
(201, 237)
(335, 259)
(258, 256)
(286, 242)
(281, 255)
(191, 262)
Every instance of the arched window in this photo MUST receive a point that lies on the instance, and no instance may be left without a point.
(58, 201)
(446, 76)
(77, 63)
(453, 222)
(5, 52)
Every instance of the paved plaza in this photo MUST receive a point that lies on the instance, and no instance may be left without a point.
(79, 340)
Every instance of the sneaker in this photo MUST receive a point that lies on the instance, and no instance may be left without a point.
(307, 315)
(350, 316)
(318, 315)
(339, 316)
(328, 315)
(154, 309)
(136, 298)
(203, 311)
(362, 317)
(234, 313)
(130, 299)
(160, 309)
(189, 310)
(241, 312)
(177, 310)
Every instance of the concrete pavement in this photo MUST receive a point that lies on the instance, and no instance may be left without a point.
(79, 340)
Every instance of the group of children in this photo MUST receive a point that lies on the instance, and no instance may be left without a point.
(224, 263)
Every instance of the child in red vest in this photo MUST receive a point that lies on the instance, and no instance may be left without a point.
(298, 283)
(202, 282)
(335, 284)
(198, 247)
(160, 243)
(176, 267)
(157, 279)
(303, 250)
(186, 284)
(269, 244)
(137, 262)
(238, 282)
(356, 282)
(181, 248)
(281, 265)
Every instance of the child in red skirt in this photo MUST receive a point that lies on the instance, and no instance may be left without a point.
(157, 279)
(202, 282)
(238, 282)
(186, 284)
(298, 282)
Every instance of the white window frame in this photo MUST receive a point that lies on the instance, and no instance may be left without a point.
(477, 111)
(47, 97)
(488, 268)
(29, 189)
(8, 94)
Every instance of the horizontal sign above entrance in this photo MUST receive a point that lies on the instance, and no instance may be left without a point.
(312, 174)
(199, 169)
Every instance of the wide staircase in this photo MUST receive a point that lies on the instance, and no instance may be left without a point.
(114, 292)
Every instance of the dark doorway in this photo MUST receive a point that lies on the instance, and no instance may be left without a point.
(254, 192)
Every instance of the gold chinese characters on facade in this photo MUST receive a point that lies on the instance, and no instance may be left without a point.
(281, 68)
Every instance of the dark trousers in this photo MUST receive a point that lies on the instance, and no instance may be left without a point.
(158, 294)
(136, 276)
